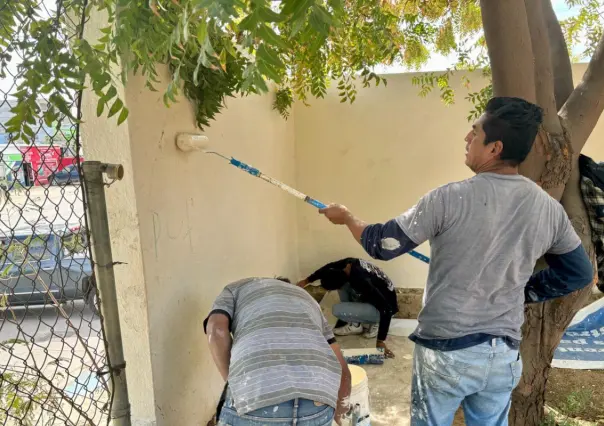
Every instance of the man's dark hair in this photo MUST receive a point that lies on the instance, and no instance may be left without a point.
(333, 279)
(515, 122)
(284, 279)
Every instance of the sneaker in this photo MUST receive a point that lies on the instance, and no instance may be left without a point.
(371, 331)
(348, 330)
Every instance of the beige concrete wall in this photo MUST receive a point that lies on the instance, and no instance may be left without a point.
(103, 140)
(188, 224)
(378, 156)
(203, 224)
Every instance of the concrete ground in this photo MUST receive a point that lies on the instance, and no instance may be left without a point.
(59, 206)
(39, 341)
(390, 383)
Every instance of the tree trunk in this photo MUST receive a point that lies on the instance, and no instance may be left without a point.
(529, 60)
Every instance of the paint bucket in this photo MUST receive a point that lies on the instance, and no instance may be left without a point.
(359, 398)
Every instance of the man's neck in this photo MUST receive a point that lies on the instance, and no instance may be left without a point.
(500, 169)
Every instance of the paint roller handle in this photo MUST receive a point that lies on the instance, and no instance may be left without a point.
(315, 203)
(245, 167)
(255, 172)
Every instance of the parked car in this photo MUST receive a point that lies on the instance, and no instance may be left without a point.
(67, 176)
(31, 265)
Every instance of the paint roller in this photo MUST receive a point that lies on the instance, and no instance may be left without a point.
(187, 142)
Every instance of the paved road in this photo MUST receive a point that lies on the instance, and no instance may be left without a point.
(46, 324)
(38, 207)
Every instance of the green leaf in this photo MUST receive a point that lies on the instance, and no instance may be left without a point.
(271, 37)
(117, 105)
(249, 23)
(268, 71)
(301, 8)
(268, 15)
(207, 46)
(323, 14)
(111, 93)
(223, 59)
(320, 21)
(123, 115)
(269, 55)
(100, 107)
(260, 83)
(296, 27)
(28, 131)
(185, 24)
(202, 31)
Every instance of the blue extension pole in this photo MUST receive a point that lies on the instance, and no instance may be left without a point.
(257, 173)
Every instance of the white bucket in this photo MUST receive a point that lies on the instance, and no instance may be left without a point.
(359, 398)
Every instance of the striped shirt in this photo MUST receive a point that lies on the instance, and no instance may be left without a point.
(280, 345)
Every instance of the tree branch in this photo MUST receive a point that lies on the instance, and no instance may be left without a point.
(560, 59)
(549, 161)
(509, 44)
(544, 76)
(586, 103)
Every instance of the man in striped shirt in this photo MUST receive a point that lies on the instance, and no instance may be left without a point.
(271, 342)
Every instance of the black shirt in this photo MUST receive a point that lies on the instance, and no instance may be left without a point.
(372, 285)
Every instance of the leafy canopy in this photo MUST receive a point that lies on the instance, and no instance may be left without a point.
(215, 49)
(221, 48)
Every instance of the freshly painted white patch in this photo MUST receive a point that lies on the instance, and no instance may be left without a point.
(390, 244)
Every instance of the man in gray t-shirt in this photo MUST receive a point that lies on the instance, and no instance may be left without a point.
(270, 340)
(486, 234)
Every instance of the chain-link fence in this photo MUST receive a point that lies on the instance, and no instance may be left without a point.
(53, 361)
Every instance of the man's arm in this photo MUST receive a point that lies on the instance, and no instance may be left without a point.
(398, 236)
(220, 342)
(318, 274)
(345, 385)
(566, 273)
(380, 241)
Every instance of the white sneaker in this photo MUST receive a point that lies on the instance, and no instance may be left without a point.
(371, 331)
(348, 330)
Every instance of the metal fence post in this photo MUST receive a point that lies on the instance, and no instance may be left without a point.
(103, 267)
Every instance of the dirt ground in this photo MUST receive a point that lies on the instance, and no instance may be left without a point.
(577, 393)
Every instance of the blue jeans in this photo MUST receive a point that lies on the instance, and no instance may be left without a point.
(350, 310)
(480, 379)
(297, 412)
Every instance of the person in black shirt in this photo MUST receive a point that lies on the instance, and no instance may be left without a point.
(367, 298)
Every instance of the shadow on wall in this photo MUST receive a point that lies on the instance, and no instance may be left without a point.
(184, 325)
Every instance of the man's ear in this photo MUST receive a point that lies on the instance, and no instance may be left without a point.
(497, 148)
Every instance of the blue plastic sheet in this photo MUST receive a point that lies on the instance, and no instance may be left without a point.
(582, 345)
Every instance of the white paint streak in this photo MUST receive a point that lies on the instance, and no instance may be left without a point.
(390, 244)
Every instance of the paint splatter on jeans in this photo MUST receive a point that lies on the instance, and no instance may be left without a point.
(297, 412)
(480, 379)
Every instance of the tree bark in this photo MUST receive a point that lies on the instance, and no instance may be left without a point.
(509, 44)
(586, 103)
(550, 161)
(544, 76)
(545, 323)
(529, 59)
(560, 59)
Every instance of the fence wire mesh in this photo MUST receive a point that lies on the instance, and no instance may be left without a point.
(53, 360)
